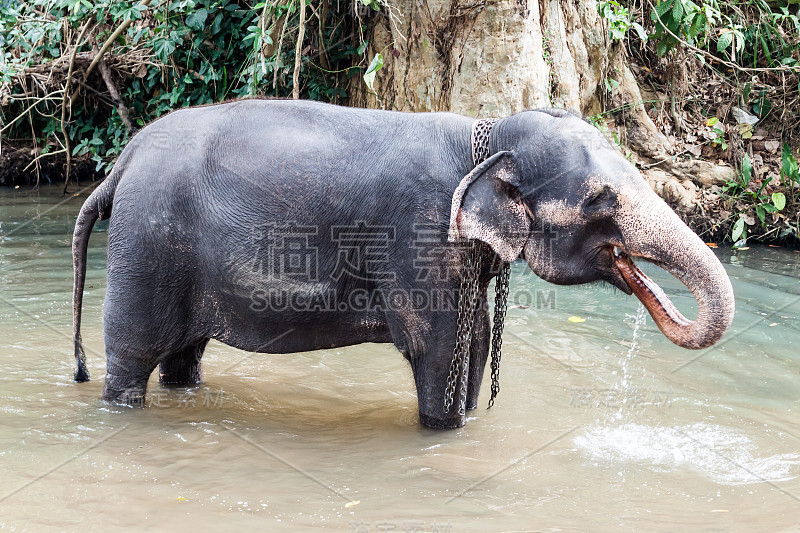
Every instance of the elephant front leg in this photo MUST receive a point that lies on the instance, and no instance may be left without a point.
(430, 347)
(182, 367)
(427, 339)
(431, 371)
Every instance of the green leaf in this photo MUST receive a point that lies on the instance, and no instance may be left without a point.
(196, 19)
(778, 200)
(739, 40)
(738, 228)
(695, 27)
(374, 66)
(677, 10)
(760, 213)
(789, 167)
(163, 48)
(724, 41)
(747, 170)
(640, 31)
(662, 8)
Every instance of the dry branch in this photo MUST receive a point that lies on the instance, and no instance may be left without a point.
(65, 102)
(298, 52)
(124, 114)
(110, 41)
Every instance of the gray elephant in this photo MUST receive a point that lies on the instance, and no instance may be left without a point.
(283, 226)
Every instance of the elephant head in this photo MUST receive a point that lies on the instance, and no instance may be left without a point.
(558, 195)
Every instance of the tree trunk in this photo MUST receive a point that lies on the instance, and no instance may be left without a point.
(490, 58)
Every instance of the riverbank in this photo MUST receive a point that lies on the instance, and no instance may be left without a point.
(730, 175)
(23, 166)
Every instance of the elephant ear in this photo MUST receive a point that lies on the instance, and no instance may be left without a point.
(487, 206)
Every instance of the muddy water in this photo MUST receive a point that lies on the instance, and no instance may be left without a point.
(601, 425)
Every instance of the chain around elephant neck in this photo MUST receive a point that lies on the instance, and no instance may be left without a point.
(481, 130)
(468, 299)
(467, 310)
(480, 140)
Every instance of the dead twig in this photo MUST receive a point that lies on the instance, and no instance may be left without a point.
(38, 157)
(108, 43)
(124, 114)
(322, 16)
(298, 51)
(282, 23)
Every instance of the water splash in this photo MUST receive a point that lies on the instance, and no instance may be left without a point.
(721, 454)
(623, 385)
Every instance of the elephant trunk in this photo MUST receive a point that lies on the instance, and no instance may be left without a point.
(657, 234)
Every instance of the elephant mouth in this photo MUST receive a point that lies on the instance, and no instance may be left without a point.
(653, 297)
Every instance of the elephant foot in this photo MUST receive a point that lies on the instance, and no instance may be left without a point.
(442, 423)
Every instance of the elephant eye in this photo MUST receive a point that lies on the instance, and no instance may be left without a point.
(600, 200)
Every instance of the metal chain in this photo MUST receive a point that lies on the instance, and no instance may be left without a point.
(467, 309)
(458, 377)
(480, 140)
(500, 306)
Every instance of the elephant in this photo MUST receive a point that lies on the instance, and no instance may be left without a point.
(280, 226)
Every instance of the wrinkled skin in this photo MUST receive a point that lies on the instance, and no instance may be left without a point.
(197, 197)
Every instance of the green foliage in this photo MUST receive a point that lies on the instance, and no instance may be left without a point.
(718, 131)
(751, 33)
(619, 20)
(684, 19)
(732, 39)
(375, 5)
(611, 84)
(747, 198)
(181, 53)
(739, 233)
(790, 176)
(372, 70)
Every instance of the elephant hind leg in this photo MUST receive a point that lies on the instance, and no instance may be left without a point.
(183, 367)
(127, 373)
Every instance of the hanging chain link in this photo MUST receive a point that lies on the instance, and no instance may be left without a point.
(500, 306)
(467, 309)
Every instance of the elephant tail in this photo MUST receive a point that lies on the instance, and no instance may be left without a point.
(97, 206)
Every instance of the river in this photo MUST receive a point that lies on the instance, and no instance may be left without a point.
(600, 425)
